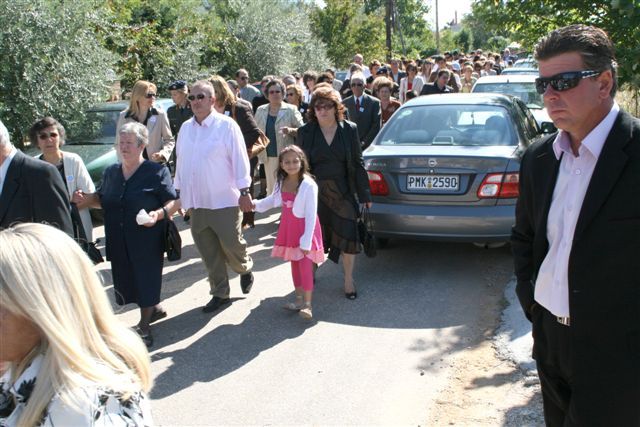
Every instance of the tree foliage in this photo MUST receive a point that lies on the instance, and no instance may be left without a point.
(52, 63)
(527, 21)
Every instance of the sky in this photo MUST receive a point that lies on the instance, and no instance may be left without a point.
(447, 10)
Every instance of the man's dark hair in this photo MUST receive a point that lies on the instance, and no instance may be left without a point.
(325, 77)
(592, 43)
(444, 71)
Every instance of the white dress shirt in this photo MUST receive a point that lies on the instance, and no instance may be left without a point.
(212, 163)
(4, 168)
(574, 175)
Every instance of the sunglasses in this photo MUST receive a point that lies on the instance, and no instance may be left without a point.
(563, 81)
(274, 91)
(199, 97)
(150, 95)
(44, 135)
(357, 84)
(321, 107)
(244, 78)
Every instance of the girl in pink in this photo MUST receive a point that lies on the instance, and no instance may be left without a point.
(299, 237)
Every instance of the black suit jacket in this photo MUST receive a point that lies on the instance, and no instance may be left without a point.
(368, 120)
(604, 264)
(33, 191)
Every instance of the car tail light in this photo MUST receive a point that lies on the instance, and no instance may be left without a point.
(377, 184)
(499, 186)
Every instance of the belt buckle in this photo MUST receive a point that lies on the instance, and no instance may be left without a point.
(566, 321)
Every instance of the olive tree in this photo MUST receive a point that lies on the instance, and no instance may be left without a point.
(52, 62)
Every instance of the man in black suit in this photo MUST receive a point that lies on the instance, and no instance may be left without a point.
(439, 85)
(31, 190)
(576, 240)
(364, 110)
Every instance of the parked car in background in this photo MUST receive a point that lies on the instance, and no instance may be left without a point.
(446, 167)
(93, 139)
(520, 86)
(528, 62)
(519, 70)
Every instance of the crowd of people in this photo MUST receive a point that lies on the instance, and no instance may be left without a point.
(307, 131)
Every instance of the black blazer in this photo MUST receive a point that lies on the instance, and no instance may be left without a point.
(33, 191)
(368, 120)
(349, 134)
(604, 264)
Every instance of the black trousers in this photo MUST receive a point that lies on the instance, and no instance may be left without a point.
(571, 399)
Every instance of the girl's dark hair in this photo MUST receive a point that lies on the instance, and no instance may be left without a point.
(304, 164)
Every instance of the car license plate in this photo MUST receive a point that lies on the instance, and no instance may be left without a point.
(433, 182)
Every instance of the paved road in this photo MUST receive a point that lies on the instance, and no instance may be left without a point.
(381, 359)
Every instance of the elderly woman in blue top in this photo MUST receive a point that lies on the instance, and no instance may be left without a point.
(136, 251)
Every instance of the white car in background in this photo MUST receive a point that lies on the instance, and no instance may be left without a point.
(521, 86)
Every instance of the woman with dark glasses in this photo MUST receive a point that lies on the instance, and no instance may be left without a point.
(294, 97)
(49, 135)
(142, 110)
(279, 121)
(332, 146)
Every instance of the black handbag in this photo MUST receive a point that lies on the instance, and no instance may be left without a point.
(172, 239)
(81, 237)
(365, 233)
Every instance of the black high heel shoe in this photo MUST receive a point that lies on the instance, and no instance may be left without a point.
(352, 295)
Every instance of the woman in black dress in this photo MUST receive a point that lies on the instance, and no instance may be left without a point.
(333, 148)
(136, 251)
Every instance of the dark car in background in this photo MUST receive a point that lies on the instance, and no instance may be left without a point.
(446, 167)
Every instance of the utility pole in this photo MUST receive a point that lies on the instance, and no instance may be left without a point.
(437, 30)
(387, 20)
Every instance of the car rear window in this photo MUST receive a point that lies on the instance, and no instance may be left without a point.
(467, 125)
(525, 91)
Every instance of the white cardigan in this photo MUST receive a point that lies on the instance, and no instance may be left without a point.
(305, 206)
(418, 82)
(77, 178)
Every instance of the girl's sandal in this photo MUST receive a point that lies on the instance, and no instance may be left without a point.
(295, 306)
(306, 312)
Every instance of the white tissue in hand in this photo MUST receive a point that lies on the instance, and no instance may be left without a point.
(143, 217)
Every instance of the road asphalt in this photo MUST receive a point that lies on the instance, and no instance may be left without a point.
(378, 360)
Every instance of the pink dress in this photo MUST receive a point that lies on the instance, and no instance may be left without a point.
(287, 245)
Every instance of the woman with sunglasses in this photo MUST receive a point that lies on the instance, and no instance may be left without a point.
(49, 135)
(230, 105)
(279, 121)
(332, 146)
(294, 97)
(142, 110)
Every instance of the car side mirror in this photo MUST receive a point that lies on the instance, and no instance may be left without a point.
(547, 127)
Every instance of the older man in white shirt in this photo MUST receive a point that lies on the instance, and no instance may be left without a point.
(213, 178)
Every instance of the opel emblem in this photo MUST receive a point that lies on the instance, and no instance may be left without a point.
(432, 162)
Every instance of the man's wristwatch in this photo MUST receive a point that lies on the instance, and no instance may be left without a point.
(245, 192)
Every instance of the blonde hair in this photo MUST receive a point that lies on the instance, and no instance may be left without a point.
(46, 278)
(224, 95)
(139, 92)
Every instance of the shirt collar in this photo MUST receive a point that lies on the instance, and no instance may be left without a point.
(208, 121)
(594, 141)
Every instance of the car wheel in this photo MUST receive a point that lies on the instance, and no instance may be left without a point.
(382, 242)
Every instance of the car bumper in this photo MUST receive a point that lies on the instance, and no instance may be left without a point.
(443, 223)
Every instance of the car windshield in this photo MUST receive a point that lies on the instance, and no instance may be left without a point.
(98, 127)
(526, 91)
(467, 125)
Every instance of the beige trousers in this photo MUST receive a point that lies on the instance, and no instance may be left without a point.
(270, 170)
(218, 237)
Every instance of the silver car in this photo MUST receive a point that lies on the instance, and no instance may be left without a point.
(446, 167)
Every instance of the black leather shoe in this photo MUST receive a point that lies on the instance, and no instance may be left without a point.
(246, 282)
(215, 303)
(351, 295)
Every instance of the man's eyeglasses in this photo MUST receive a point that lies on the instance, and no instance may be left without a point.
(357, 84)
(199, 97)
(563, 81)
(244, 78)
(274, 91)
(46, 135)
(320, 107)
(150, 95)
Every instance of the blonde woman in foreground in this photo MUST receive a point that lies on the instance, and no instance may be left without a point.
(70, 361)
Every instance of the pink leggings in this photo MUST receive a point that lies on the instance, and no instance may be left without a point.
(302, 273)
